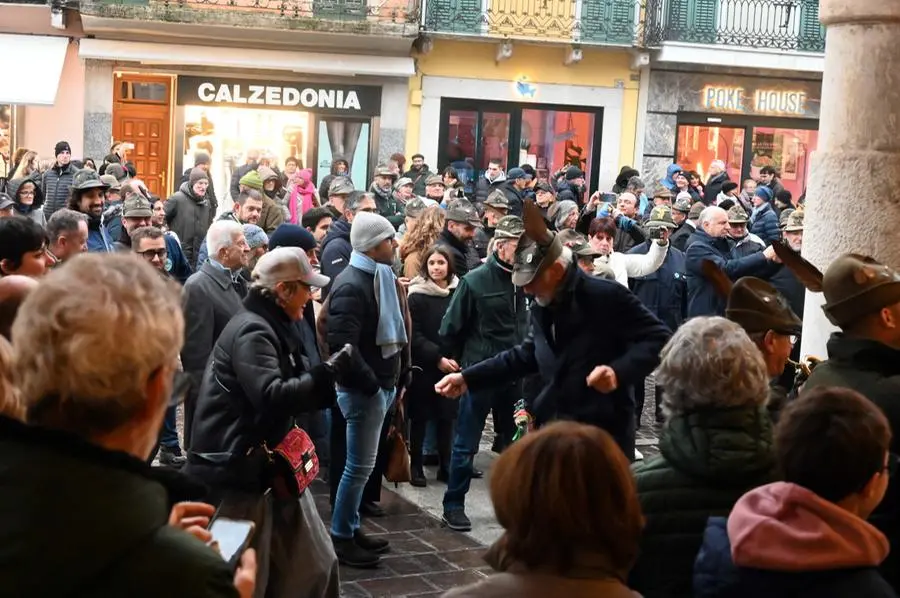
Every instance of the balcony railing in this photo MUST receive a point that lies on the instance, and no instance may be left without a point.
(773, 24)
(396, 16)
(577, 21)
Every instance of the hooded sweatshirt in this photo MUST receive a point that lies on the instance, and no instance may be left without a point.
(785, 527)
(788, 541)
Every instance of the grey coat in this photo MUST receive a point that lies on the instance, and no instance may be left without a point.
(209, 301)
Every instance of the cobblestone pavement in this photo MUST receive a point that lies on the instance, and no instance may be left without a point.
(425, 559)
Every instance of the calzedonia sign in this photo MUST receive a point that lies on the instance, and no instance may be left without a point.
(356, 100)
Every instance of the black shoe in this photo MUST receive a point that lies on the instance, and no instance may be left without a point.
(371, 509)
(417, 478)
(353, 555)
(477, 474)
(431, 460)
(171, 457)
(374, 545)
(457, 520)
(443, 475)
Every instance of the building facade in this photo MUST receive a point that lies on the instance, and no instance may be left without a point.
(732, 80)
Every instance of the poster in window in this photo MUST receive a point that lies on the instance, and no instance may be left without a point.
(789, 157)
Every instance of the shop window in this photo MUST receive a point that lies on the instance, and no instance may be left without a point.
(553, 139)
(788, 150)
(699, 145)
(226, 134)
(473, 139)
(348, 140)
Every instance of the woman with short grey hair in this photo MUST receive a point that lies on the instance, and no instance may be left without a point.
(715, 446)
(262, 374)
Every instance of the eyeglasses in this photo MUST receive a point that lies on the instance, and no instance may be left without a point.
(149, 254)
(792, 337)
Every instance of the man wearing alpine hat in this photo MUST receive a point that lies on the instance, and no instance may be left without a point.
(862, 298)
(587, 364)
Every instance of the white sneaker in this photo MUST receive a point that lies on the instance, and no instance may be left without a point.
(638, 456)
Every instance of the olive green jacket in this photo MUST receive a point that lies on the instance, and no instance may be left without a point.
(708, 459)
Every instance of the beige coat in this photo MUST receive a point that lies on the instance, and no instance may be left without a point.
(589, 578)
(531, 585)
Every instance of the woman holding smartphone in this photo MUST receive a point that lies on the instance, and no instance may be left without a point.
(265, 370)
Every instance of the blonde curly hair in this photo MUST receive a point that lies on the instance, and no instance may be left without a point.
(427, 229)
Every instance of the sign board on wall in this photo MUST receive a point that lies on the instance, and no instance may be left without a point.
(672, 92)
(344, 100)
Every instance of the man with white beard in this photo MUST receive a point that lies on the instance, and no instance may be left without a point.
(587, 363)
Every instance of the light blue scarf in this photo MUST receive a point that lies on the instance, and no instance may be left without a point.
(391, 333)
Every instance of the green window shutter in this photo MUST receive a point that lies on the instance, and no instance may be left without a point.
(608, 21)
(348, 10)
(812, 32)
(454, 16)
(691, 21)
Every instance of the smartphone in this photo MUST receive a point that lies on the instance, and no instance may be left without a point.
(656, 232)
(232, 537)
(609, 198)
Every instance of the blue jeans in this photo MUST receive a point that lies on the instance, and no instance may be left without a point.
(473, 411)
(168, 436)
(365, 416)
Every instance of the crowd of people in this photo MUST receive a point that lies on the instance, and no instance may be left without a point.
(291, 327)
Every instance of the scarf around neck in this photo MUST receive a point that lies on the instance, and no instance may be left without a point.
(391, 332)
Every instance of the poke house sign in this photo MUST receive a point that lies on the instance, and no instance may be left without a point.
(309, 97)
(775, 102)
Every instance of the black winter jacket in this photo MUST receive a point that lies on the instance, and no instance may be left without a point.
(487, 314)
(352, 318)
(714, 187)
(484, 187)
(567, 341)
(664, 292)
(873, 370)
(515, 197)
(189, 217)
(427, 306)
(465, 256)
(679, 237)
(56, 183)
(336, 250)
(255, 383)
(210, 190)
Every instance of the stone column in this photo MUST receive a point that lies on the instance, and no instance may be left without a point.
(853, 198)
(98, 107)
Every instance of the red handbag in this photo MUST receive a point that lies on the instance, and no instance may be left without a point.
(296, 457)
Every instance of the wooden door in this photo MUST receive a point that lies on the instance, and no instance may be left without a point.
(143, 119)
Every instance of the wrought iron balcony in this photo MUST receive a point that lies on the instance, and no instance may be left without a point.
(774, 24)
(609, 22)
(356, 16)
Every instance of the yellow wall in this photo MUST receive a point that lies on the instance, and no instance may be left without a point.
(538, 63)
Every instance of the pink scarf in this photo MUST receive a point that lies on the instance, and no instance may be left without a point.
(302, 198)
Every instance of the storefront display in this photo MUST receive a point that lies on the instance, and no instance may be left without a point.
(747, 122)
(549, 138)
(311, 122)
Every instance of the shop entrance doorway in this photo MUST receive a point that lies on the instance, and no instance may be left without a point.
(142, 117)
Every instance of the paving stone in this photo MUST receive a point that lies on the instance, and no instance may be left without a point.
(398, 586)
(417, 563)
(454, 579)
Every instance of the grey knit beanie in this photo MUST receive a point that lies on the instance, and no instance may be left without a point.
(368, 230)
